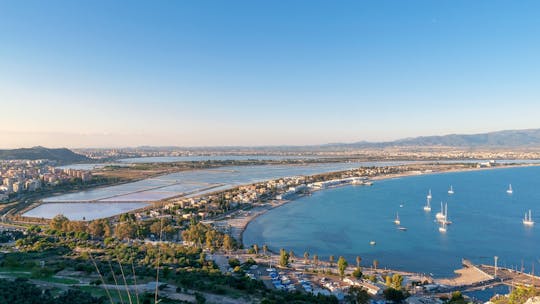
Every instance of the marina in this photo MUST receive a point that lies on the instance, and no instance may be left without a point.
(344, 221)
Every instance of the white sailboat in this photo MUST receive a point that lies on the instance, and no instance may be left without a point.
(446, 220)
(427, 207)
(509, 191)
(429, 194)
(451, 191)
(440, 215)
(442, 227)
(527, 220)
(397, 221)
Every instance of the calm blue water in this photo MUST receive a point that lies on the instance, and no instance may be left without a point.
(485, 295)
(342, 221)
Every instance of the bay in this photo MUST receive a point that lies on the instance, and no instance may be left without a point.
(343, 221)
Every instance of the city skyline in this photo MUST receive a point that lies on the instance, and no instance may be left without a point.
(104, 74)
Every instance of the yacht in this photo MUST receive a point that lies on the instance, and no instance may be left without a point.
(427, 207)
(527, 220)
(451, 191)
(442, 228)
(510, 191)
(429, 194)
(446, 220)
(440, 215)
(397, 221)
(372, 243)
(402, 228)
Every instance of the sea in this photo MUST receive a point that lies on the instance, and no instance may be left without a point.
(486, 222)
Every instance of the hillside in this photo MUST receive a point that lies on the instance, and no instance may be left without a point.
(500, 139)
(61, 155)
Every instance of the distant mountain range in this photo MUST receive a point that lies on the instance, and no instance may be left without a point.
(61, 155)
(502, 139)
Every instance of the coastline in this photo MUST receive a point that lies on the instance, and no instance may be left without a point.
(463, 276)
(240, 221)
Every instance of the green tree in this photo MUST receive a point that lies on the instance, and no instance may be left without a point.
(357, 273)
(397, 281)
(357, 295)
(283, 258)
(73, 296)
(99, 228)
(228, 243)
(388, 281)
(233, 262)
(457, 298)
(59, 222)
(127, 217)
(342, 266)
(519, 295)
(212, 239)
(392, 294)
(202, 258)
(126, 230)
(156, 228)
(34, 229)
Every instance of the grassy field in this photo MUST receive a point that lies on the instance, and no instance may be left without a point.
(28, 275)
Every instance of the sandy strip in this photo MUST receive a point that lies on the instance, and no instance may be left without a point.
(466, 276)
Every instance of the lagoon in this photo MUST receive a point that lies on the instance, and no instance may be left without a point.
(83, 211)
(194, 158)
(192, 182)
(187, 183)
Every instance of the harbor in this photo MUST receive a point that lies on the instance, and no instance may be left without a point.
(345, 220)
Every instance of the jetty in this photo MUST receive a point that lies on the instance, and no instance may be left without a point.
(470, 276)
(479, 277)
(512, 277)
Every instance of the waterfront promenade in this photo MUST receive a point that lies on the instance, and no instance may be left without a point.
(512, 277)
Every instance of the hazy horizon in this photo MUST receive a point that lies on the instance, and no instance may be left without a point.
(60, 138)
(244, 73)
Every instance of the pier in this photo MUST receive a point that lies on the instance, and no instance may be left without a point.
(512, 277)
(479, 277)
(468, 277)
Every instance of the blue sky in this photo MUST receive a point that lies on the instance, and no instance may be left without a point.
(119, 73)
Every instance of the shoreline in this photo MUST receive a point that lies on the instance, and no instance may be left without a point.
(376, 178)
(462, 275)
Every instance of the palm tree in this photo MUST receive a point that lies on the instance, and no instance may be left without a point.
(316, 260)
(256, 248)
(291, 255)
(375, 264)
(331, 259)
(265, 249)
(358, 261)
(306, 257)
(342, 266)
